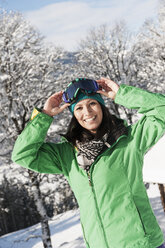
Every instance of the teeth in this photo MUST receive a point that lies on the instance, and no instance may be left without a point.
(90, 119)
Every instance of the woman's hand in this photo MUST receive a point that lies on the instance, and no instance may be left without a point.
(109, 88)
(52, 105)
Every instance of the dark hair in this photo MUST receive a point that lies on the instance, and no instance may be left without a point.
(110, 123)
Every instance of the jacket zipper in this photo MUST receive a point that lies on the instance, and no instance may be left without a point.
(89, 174)
(109, 148)
(97, 209)
(89, 178)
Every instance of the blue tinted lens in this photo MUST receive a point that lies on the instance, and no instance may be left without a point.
(84, 84)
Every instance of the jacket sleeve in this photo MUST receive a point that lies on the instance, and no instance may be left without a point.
(30, 150)
(151, 127)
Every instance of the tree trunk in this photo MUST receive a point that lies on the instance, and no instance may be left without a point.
(13, 218)
(4, 223)
(162, 194)
(46, 233)
(46, 239)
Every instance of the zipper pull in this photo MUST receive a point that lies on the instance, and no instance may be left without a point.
(89, 178)
(107, 144)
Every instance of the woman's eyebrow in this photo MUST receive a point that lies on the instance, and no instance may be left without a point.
(90, 100)
(78, 105)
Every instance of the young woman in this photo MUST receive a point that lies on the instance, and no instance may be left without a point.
(101, 158)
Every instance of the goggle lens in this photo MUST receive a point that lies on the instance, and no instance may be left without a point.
(87, 85)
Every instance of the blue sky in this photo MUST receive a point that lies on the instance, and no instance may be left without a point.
(66, 22)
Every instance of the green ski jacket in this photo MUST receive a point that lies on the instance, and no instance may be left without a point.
(114, 207)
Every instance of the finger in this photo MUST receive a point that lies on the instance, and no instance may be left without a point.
(99, 81)
(64, 106)
(109, 94)
(111, 84)
(57, 94)
(56, 97)
(104, 93)
(58, 110)
(104, 79)
(107, 81)
(105, 87)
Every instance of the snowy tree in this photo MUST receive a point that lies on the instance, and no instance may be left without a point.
(150, 59)
(14, 196)
(30, 71)
(162, 194)
(109, 52)
(151, 52)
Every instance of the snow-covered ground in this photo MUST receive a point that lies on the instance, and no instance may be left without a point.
(66, 230)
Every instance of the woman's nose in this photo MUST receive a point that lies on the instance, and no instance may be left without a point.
(87, 110)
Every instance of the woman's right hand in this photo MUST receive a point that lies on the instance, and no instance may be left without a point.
(52, 105)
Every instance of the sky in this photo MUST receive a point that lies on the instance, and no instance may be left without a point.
(66, 22)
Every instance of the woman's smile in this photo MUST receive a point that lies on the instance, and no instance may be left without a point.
(89, 114)
(90, 119)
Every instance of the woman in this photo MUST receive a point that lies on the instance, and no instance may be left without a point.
(102, 160)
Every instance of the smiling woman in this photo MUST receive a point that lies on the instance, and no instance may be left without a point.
(101, 158)
(89, 114)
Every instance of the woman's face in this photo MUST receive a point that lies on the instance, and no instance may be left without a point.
(89, 114)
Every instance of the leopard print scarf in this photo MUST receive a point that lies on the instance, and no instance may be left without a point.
(89, 150)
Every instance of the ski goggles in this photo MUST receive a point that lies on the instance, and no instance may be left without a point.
(87, 86)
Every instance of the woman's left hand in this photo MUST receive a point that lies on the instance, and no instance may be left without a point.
(109, 87)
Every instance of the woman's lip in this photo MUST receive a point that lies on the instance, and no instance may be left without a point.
(90, 119)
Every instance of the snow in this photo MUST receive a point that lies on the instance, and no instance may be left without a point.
(66, 229)
(154, 163)
(65, 232)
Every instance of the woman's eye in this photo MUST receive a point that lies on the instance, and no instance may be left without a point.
(92, 103)
(78, 108)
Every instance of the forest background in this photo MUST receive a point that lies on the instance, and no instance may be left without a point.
(31, 70)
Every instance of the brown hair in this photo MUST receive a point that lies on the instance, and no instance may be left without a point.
(110, 123)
